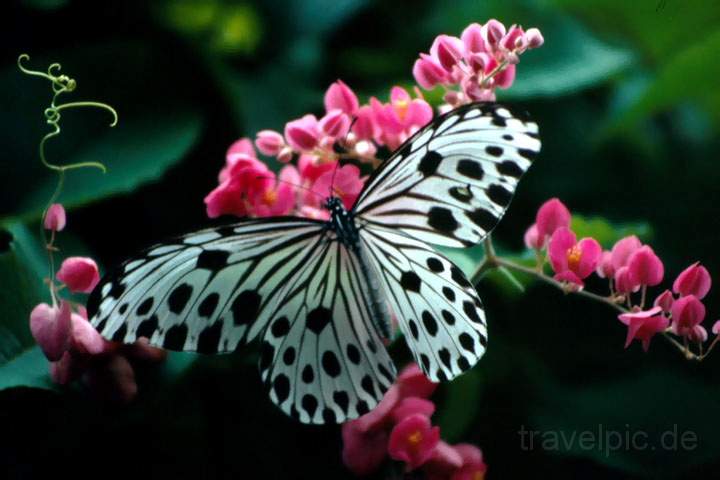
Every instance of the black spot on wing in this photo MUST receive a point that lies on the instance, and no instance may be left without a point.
(442, 219)
(317, 319)
(289, 356)
(175, 337)
(147, 327)
(309, 403)
(435, 265)
(483, 218)
(528, 153)
(209, 339)
(246, 307)
(461, 194)
(213, 260)
(308, 374)
(494, 150)
(330, 364)
(119, 334)
(353, 353)
(410, 281)
(471, 169)
(429, 163)
(509, 168)
(144, 307)
(459, 277)
(467, 342)
(208, 305)
(430, 323)
(281, 386)
(179, 298)
(499, 195)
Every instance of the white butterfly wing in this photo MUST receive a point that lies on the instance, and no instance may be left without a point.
(453, 180)
(322, 359)
(208, 291)
(437, 308)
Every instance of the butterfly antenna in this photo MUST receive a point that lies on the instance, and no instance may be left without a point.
(349, 130)
(303, 187)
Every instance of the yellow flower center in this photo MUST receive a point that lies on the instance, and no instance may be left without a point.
(415, 438)
(270, 197)
(478, 475)
(573, 257)
(401, 108)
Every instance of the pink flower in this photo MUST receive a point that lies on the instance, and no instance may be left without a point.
(85, 339)
(448, 51)
(303, 134)
(273, 198)
(64, 370)
(363, 451)
(340, 96)
(80, 274)
(311, 167)
(493, 31)
(514, 39)
(335, 124)
(622, 250)
(269, 142)
(412, 406)
(365, 127)
(413, 440)
(316, 213)
(572, 260)
(716, 327)
(472, 38)
(532, 238)
(473, 467)
(605, 267)
(665, 301)
(624, 282)
(401, 117)
(428, 72)
(644, 325)
(55, 217)
(550, 216)
(694, 280)
(346, 184)
(241, 149)
(413, 382)
(534, 38)
(51, 327)
(445, 461)
(380, 416)
(698, 334)
(244, 178)
(687, 313)
(645, 267)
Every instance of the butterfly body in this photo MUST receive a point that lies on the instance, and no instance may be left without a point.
(319, 294)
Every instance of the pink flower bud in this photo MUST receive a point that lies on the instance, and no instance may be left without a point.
(285, 155)
(427, 73)
(624, 282)
(698, 334)
(645, 267)
(622, 250)
(447, 50)
(494, 32)
(414, 383)
(605, 268)
(51, 327)
(80, 274)
(364, 127)
(532, 238)
(534, 38)
(515, 38)
(55, 217)
(413, 440)
(481, 62)
(335, 124)
(473, 39)
(716, 327)
(551, 216)
(694, 280)
(269, 142)
(85, 339)
(363, 451)
(340, 96)
(302, 134)
(687, 312)
(665, 301)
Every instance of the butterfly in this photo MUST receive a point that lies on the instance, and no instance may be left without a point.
(324, 296)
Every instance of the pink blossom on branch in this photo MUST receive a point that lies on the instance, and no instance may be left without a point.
(665, 301)
(645, 267)
(623, 249)
(413, 440)
(346, 184)
(303, 134)
(571, 260)
(551, 215)
(269, 142)
(52, 329)
(80, 274)
(643, 325)
(687, 313)
(340, 96)
(694, 280)
(55, 217)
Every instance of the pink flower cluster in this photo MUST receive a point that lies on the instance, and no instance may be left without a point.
(630, 267)
(482, 59)
(247, 187)
(68, 340)
(400, 428)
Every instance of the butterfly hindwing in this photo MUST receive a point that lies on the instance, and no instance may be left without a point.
(321, 357)
(206, 291)
(437, 308)
(453, 180)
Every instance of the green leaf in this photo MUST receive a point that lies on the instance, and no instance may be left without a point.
(136, 151)
(691, 74)
(607, 233)
(22, 270)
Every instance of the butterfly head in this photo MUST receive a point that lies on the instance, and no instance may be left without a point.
(334, 205)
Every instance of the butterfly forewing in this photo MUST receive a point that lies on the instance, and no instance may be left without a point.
(321, 357)
(437, 308)
(453, 180)
(207, 291)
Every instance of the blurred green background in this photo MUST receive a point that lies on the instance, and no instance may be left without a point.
(627, 101)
